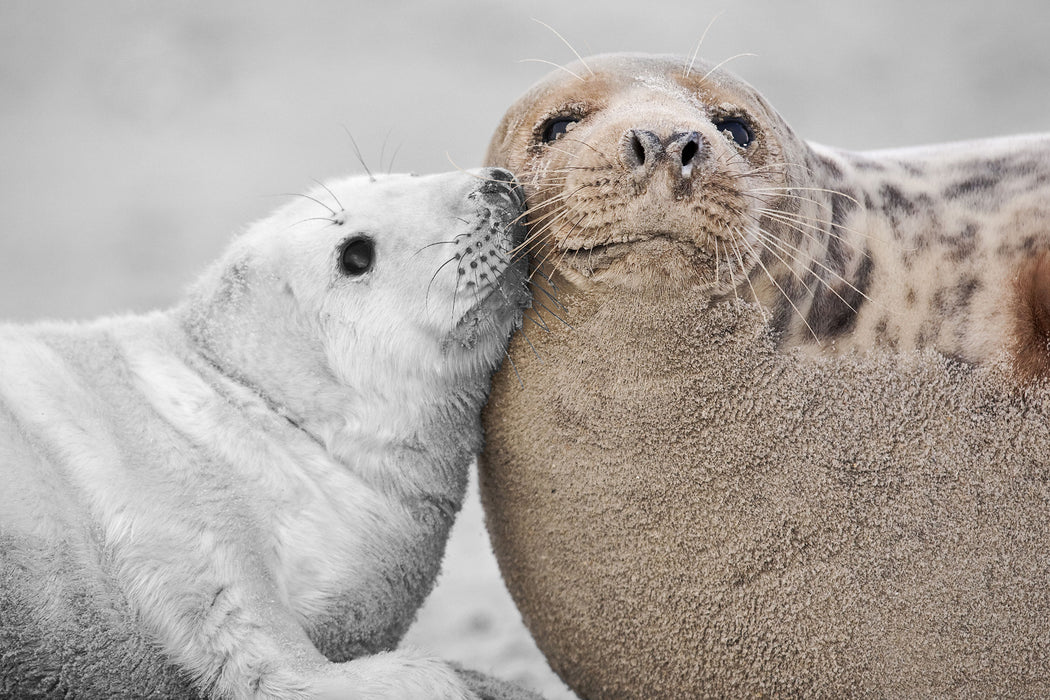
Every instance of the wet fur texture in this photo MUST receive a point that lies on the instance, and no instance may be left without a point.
(781, 427)
(248, 495)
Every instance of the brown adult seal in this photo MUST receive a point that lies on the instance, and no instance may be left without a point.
(684, 506)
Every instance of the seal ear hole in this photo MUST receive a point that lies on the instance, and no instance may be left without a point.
(738, 130)
(555, 128)
(357, 256)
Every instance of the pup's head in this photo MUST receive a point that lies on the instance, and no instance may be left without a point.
(362, 282)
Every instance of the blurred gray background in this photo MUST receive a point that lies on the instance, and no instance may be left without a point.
(136, 137)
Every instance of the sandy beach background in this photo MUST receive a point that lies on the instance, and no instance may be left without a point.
(137, 137)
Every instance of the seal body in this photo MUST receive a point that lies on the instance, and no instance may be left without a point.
(645, 170)
(683, 510)
(839, 493)
(248, 495)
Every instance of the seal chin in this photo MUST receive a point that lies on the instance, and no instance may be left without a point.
(661, 261)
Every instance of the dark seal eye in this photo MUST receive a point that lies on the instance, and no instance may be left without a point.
(556, 128)
(737, 130)
(357, 256)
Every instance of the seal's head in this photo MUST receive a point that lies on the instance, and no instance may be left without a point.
(647, 171)
(371, 283)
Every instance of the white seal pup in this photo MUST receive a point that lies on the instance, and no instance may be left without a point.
(249, 495)
(649, 170)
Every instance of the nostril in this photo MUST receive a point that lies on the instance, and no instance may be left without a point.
(501, 175)
(689, 148)
(643, 148)
(639, 149)
(689, 151)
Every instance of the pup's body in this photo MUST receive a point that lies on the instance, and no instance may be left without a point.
(260, 482)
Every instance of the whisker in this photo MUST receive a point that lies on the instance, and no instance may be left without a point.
(758, 260)
(330, 192)
(360, 158)
(826, 284)
(393, 157)
(315, 200)
(729, 266)
(331, 222)
(777, 241)
(382, 148)
(604, 156)
(765, 240)
(809, 189)
(552, 63)
(538, 321)
(546, 308)
(764, 199)
(577, 53)
(696, 51)
(747, 277)
(426, 297)
(722, 63)
(796, 221)
(436, 243)
(534, 350)
(513, 366)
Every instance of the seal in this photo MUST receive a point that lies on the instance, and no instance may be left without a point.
(780, 429)
(647, 170)
(248, 495)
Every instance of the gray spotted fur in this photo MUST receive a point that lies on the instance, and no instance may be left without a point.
(926, 240)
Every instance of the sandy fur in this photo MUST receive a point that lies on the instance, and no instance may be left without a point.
(249, 495)
(682, 510)
(840, 491)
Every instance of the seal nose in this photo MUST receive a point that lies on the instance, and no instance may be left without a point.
(505, 199)
(643, 149)
(502, 181)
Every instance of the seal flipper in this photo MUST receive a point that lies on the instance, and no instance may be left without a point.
(1032, 317)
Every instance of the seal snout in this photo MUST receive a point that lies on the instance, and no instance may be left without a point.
(504, 198)
(643, 151)
(500, 182)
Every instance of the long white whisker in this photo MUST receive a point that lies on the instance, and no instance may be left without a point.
(785, 247)
(552, 63)
(696, 51)
(808, 189)
(747, 277)
(758, 259)
(577, 53)
(722, 63)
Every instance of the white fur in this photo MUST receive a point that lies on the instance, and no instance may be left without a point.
(265, 474)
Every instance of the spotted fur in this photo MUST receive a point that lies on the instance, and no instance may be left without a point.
(904, 249)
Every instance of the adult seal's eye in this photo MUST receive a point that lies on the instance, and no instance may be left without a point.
(736, 130)
(556, 128)
(357, 256)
